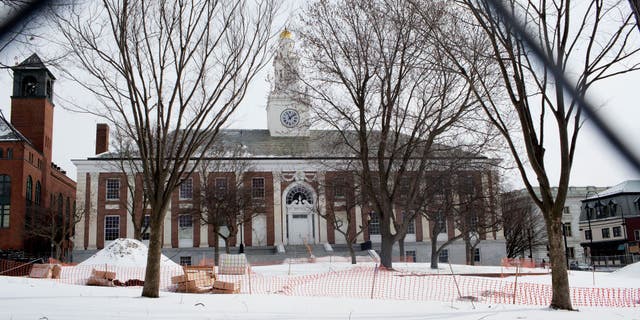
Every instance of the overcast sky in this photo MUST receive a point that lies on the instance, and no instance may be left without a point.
(596, 163)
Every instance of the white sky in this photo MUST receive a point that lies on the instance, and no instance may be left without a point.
(596, 163)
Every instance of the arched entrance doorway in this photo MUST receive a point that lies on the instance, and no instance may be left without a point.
(299, 200)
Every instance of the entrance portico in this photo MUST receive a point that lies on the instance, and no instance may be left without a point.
(298, 203)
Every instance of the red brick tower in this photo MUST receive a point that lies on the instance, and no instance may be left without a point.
(32, 103)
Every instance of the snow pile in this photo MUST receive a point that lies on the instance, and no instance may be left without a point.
(125, 253)
(632, 270)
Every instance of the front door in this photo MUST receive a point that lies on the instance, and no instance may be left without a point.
(300, 224)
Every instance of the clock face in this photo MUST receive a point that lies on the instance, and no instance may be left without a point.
(289, 118)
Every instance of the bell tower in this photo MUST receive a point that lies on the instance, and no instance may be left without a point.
(287, 110)
(32, 103)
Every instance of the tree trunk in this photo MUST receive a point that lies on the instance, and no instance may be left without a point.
(386, 251)
(434, 252)
(561, 298)
(216, 245)
(151, 287)
(403, 257)
(352, 253)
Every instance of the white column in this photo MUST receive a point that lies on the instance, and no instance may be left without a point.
(81, 190)
(204, 235)
(93, 215)
(277, 209)
(426, 235)
(321, 237)
(131, 184)
(167, 227)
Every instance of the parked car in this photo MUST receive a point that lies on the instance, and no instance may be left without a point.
(575, 265)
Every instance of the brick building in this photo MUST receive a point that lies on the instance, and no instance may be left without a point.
(291, 169)
(30, 184)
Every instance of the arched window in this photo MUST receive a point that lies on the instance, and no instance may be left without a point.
(299, 195)
(60, 204)
(37, 195)
(29, 86)
(9, 153)
(29, 195)
(1, 153)
(5, 200)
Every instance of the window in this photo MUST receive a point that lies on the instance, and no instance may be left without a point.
(37, 196)
(636, 234)
(411, 228)
(567, 229)
(185, 260)
(113, 189)
(476, 255)
(257, 188)
(410, 255)
(1, 153)
(9, 153)
(5, 200)
(29, 86)
(29, 194)
(186, 189)
(185, 227)
(587, 234)
(617, 231)
(442, 223)
(374, 223)
(146, 226)
(613, 208)
(473, 222)
(443, 256)
(338, 188)
(566, 210)
(111, 228)
(221, 187)
(605, 233)
(571, 252)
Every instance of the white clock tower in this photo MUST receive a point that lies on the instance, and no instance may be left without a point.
(287, 110)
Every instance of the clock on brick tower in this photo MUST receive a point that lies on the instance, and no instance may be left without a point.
(287, 110)
(32, 103)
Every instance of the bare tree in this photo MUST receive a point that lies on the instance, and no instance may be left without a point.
(386, 94)
(524, 229)
(168, 75)
(54, 225)
(579, 40)
(226, 199)
(343, 195)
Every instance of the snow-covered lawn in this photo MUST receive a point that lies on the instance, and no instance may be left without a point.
(304, 290)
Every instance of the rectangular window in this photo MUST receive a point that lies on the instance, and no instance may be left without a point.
(473, 222)
(221, 187)
(185, 260)
(443, 256)
(605, 233)
(566, 210)
(338, 188)
(442, 223)
(111, 228)
(411, 255)
(185, 226)
(636, 234)
(146, 227)
(257, 188)
(567, 229)
(476, 255)
(5, 210)
(186, 189)
(113, 189)
(617, 231)
(587, 234)
(374, 224)
(411, 228)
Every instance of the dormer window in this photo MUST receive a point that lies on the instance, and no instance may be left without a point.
(29, 86)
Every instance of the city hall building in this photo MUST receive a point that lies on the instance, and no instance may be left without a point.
(291, 166)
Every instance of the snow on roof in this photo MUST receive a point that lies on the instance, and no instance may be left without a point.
(629, 186)
(125, 253)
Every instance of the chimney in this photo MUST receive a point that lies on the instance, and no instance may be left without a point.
(102, 138)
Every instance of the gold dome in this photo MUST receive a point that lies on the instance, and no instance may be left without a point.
(286, 34)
